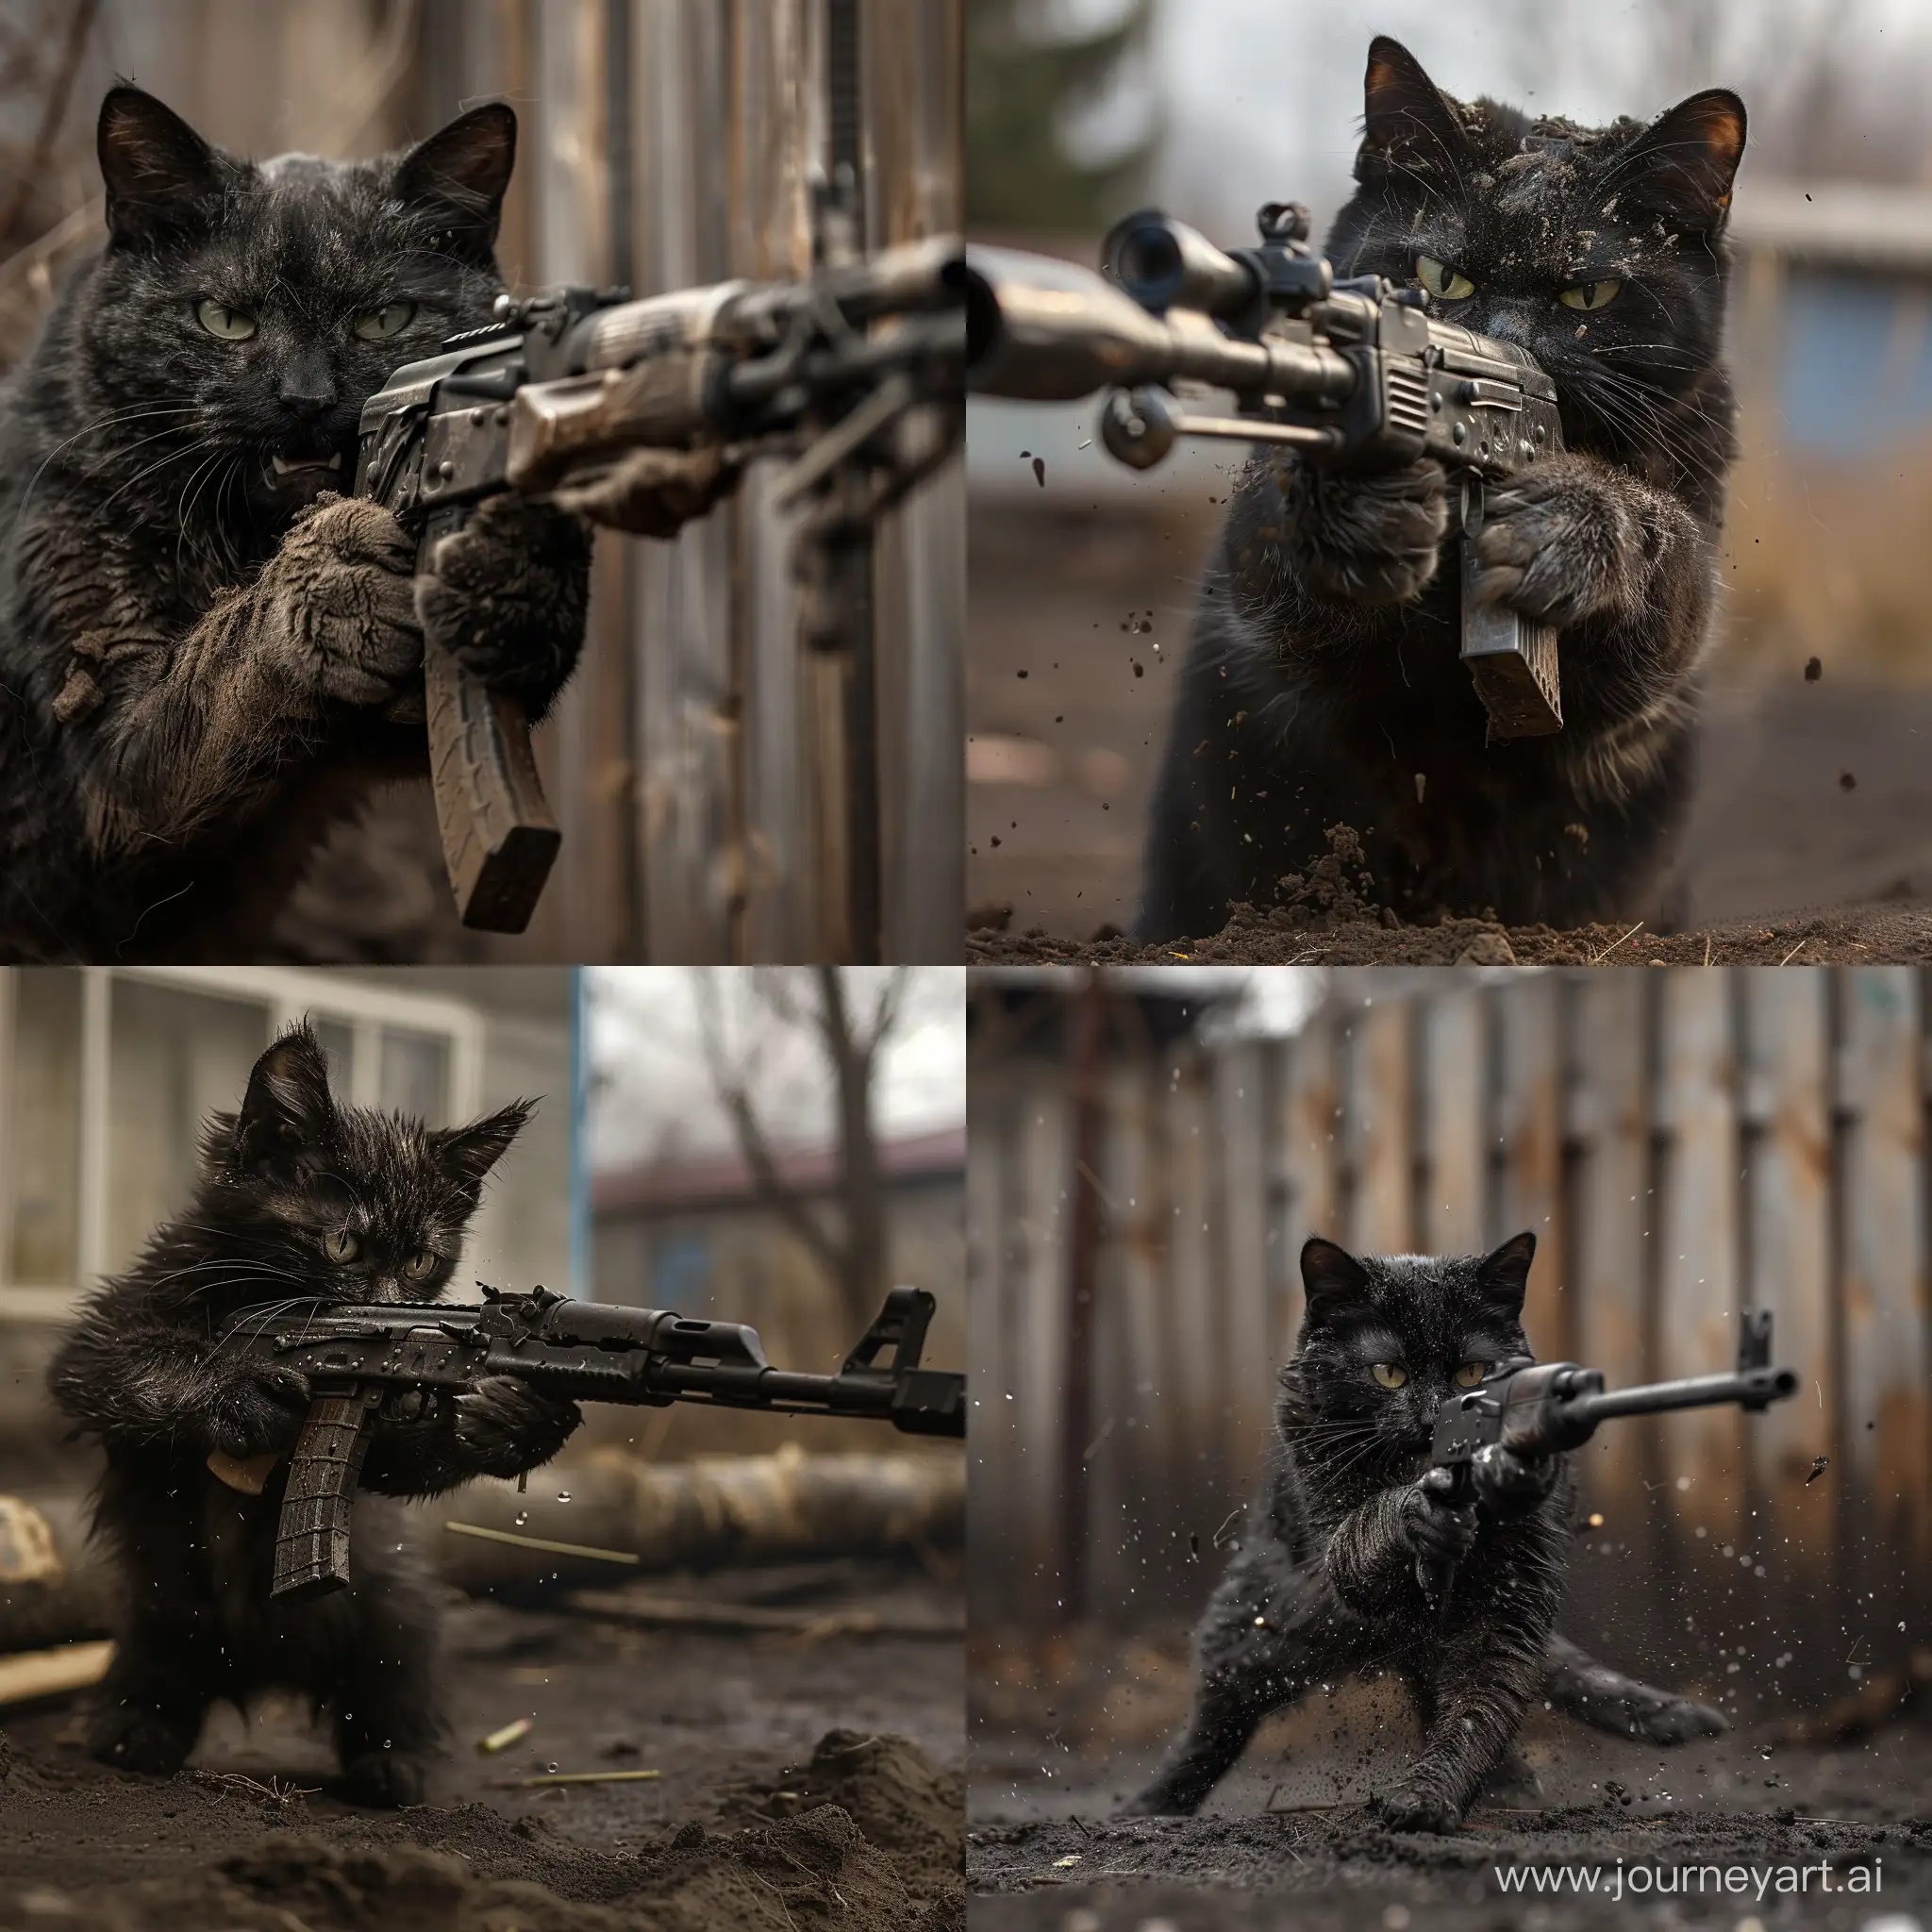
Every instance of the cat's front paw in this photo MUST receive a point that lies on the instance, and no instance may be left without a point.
(507, 596)
(384, 1780)
(1507, 1484)
(136, 1737)
(259, 1413)
(506, 1429)
(1414, 1808)
(1664, 1719)
(345, 587)
(1438, 1531)
(1562, 542)
(1371, 539)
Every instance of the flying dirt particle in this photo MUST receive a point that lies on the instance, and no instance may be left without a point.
(1039, 470)
(1139, 669)
(1422, 785)
(1814, 669)
(1194, 1544)
(1846, 782)
(1819, 1465)
(1596, 1519)
(1020, 673)
(994, 840)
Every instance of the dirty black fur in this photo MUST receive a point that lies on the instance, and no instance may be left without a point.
(1323, 1583)
(282, 1176)
(1324, 686)
(184, 705)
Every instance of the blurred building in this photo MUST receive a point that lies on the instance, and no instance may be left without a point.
(107, 1074)
(698, 1234)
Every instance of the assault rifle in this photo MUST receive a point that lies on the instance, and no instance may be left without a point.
(403, 1365)
(1356, 375)
(618, 406)
(1545, 1409)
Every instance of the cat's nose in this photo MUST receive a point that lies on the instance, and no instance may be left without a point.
(1511, 324)
(307, 388)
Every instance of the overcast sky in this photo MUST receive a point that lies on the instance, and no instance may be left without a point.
(1263, 98)
(653, 1098)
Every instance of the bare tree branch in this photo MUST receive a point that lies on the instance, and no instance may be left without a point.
(734, 1089)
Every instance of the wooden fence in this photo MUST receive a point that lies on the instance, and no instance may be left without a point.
(699, 763)
(1683, 1143)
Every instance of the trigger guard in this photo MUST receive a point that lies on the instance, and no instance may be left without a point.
(411, 1406)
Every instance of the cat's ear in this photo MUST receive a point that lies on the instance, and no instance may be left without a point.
(461, 172)
(1407, 118)
(1503, 1275)
(1682, 165)
(287, 1113)
(467, 1153)
(1332, 1276)
(162, 179)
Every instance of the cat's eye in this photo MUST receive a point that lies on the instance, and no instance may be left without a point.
(420, 1266)
(378, 325)
(1590, 295)
(341, 1245)
(232, 324)
(1446, 283)
(1390, 1374)
(1469, 1373)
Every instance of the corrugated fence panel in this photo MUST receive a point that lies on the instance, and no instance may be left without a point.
(1449, 1127)
(1697, 1304)
(1884, 1334)
(1610, 1200)
(1244, 1247)
(1309, 1099)
(1785, 1101)
(1376, 1120)
(993, 1425)
(1528, 1143)
(1198, 1295)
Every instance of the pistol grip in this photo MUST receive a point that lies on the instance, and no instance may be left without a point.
(312, 1537)
(498, 836)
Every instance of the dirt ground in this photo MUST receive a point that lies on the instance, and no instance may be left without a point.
(801, 1784)
(1283, 1841)
(1072, 671)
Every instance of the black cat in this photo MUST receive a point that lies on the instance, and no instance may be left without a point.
(1323, 686)
(299, 1197)
(207, 654)
(1323, 1585)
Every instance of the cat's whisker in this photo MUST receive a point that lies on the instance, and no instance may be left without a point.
(142, 474)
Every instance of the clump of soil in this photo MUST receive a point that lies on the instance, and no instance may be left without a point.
(469, 1869)
(902, 1803)
(1329, 916)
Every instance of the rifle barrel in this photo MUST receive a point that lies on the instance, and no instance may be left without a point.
(1753, 1388)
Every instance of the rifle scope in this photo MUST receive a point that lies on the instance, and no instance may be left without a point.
(1164, 264)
